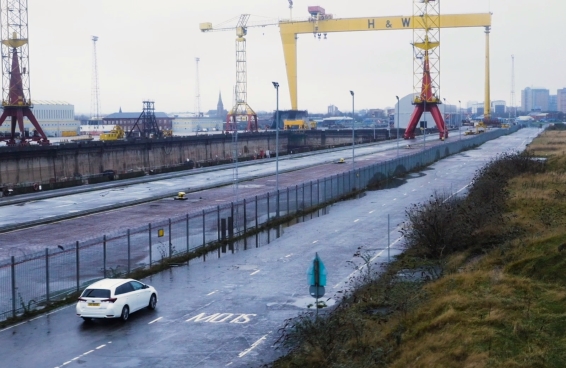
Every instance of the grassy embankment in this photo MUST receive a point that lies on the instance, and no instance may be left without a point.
(487, 291)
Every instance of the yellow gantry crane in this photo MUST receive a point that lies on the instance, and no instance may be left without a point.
(241, 110)
(321, 24)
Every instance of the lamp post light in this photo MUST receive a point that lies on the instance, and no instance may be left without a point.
(276, 85)
(397, 136)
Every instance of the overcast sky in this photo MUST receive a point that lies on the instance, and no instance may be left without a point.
(147, 50)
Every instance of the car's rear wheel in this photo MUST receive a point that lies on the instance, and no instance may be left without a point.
(152, 302)
(125, 313)
(87, 319)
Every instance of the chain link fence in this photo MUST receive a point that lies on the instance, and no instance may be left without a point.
(32, 281)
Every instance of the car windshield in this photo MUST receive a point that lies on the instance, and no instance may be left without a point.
(96, 293)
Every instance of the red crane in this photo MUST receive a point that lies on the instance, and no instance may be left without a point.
(16, 98)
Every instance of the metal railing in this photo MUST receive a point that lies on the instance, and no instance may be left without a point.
(27, 282)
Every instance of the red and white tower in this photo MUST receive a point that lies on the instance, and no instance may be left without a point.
(16, 97)
(426, 65)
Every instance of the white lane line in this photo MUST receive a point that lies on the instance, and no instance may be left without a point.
(372, 211)
(155, 320)
(316, 241)
(253, 273)
(82, 355)
(212, 292)
(254, 345)
(414, 190)
(383, 205)
(356, 220)
(33, 319)
(288, 255)
(228, 364)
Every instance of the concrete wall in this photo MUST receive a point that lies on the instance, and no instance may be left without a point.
(36, 164)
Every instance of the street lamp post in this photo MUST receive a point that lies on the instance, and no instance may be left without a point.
(353, 139)
(353, 136)
(276, 85)
(424, 125)
(445, 128)
(397, 136)
(459, 119)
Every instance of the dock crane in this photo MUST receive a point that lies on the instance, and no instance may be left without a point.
(290, 30)
(426, 66)
(241, 110)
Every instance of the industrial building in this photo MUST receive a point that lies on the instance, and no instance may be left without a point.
(56, 118)
(127, 120)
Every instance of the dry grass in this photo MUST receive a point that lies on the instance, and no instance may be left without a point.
(503, 308)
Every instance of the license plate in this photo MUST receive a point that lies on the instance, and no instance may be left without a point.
(94, 304)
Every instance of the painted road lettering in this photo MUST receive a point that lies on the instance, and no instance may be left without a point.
(238, 318)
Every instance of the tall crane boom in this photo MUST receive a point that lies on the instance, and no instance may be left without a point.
(241, 111)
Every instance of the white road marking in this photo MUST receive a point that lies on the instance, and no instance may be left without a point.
(316, 241)
(229, 364)
(371, 211)
(288, 255)
(356, 220)
(253, 273)
(414, 189)
(82, 355)
(155, 320)
(33, 319)
(212, 292)
(254, 345)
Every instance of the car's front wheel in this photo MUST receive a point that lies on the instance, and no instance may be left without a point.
(125, 313)
(152, 302)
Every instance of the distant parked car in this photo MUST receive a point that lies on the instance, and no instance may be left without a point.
(115, 298)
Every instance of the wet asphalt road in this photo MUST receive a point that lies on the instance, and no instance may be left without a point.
(226, 312)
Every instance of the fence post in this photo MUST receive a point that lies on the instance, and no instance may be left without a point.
(388, 241)
(296, 198)
(256, 225)
(129, 252)
(77, 264)
(149, 231)
(170, 241)
(13, 270)
(188, 245)
(104, 253)
(245, 220)
(287, 201)
(47, 275)
(303, 201)
(218, 222)
(317, 192)
(232, 215)
(203, 237)
(268, 206)
(310, 186)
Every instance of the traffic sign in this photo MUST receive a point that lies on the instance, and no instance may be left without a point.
(316, 277)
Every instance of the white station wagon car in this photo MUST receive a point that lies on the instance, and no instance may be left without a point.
(115, 298)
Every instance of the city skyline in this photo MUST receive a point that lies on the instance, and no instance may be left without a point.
(148, 52)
